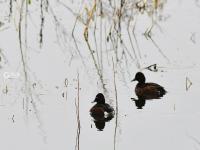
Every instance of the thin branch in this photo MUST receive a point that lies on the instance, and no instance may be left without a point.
(66, 85)
(77, 145)
(41, 23)
(131, 42)
(20, 39)
(116, 107)
(159, 49)
(11, 9)
(74, 39)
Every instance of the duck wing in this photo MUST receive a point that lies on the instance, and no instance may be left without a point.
(157, 87)
(108, 108)
(150, 91)
(97, 111)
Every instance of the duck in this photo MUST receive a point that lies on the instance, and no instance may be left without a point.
(147, 91)
(99, 109)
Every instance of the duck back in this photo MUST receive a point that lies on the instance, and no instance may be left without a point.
(97, 110)
(149, 90)
(108, 108)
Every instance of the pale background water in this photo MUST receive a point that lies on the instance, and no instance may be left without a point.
(48, 120)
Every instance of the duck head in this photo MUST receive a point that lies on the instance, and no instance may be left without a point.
(139, 77)
(100, 99)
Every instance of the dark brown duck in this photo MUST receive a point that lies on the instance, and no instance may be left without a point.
(98, 110)
(147, 90)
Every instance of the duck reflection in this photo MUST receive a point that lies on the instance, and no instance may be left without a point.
(139, 103)
(101, 121)
(146, 91)
(101, 112)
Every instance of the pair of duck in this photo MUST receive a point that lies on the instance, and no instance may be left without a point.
(143, 91)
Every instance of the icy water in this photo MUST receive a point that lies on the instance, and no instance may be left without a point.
(49, 74)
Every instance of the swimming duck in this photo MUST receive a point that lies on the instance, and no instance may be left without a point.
(147, 90)
(98, 110)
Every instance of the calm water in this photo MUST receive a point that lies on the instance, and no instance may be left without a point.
(48, 107)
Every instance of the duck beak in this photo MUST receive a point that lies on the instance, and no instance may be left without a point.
(133, 80)
(93, 101)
